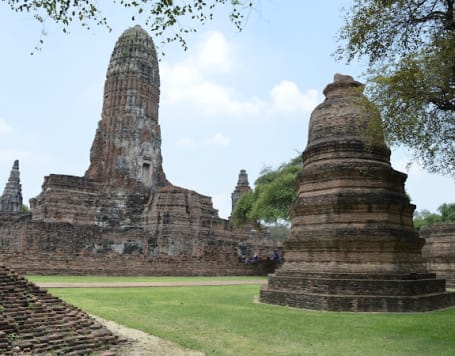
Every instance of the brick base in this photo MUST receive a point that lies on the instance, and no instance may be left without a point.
(358, 292)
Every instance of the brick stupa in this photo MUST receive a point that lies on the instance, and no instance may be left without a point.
(352, 245)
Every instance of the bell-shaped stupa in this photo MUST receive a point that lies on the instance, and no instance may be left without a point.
(352, 245)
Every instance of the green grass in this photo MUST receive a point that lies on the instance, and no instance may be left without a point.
(101, 279)
(225, 321)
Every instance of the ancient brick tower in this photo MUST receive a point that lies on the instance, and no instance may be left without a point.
(11, 200)
(127, 145)
(242, 187)
(352, 245)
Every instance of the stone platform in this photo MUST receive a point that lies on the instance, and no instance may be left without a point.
(358, 292)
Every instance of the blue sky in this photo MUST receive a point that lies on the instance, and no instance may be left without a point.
(232, 101)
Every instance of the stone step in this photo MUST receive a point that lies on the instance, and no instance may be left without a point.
(358, 303)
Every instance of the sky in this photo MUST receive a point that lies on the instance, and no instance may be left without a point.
(234, 100)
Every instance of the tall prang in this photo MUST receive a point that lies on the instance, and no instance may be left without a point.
(242, 186)
(11, 200)
(352, 245)
(127, 145)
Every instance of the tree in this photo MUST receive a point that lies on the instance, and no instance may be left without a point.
(425, 218)
(410, 45)
(274, 192)
(25, 209)
(165, 18)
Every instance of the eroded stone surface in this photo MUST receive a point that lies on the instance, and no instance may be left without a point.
(352, 245)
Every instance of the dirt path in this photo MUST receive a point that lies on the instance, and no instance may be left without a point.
(143, 344)
(148, 284)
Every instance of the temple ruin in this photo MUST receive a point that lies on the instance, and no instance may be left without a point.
(123, 217)
(352, 245)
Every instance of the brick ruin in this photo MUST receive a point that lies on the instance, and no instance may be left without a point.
(352, 245)
(439, 251)
(123, 217)
(35, 323)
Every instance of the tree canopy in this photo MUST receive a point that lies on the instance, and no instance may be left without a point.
(166, 19)
(269, 202)
(410, 46)
(425, 218)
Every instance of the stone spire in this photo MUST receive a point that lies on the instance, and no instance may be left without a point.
(11, 200)
(127, 145)
(352, 245)
(242, 187)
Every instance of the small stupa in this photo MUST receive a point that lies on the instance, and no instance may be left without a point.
(352, 245)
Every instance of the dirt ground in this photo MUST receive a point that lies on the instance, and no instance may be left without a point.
(143, 344)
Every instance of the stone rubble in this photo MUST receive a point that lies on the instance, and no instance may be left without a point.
(32, 322)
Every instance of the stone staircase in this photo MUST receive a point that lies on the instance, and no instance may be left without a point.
(33, 322)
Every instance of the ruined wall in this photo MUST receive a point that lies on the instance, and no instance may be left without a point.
(38, 247)
(439, 251)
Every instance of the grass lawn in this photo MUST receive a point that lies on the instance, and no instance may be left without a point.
(224, 320)
(103, 279)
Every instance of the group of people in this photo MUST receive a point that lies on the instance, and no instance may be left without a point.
(276, 258)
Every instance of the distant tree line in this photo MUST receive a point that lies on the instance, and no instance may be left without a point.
(425, 218)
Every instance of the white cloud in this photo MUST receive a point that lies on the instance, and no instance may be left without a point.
(5, 129)
(214, 54)
(184, 84)
(219, 139)
(190, 84)
(287, 97)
